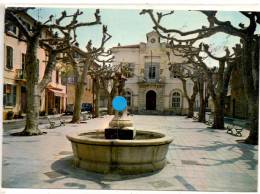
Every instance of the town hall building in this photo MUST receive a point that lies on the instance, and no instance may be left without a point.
(153, 89)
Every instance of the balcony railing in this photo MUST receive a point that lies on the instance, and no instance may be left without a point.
(147, 80)
(20, 74)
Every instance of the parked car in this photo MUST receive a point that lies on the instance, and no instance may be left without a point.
(86, 107)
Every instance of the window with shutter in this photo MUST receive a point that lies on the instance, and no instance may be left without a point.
(132, 68)
(9, 57)
(9, 95)
(152, 70)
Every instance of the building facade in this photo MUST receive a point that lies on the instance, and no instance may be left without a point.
(53, 99)
(70, 81)
(153, 89)
(88, 90)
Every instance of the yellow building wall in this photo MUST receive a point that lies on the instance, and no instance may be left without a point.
(87, 96)
(19, 48)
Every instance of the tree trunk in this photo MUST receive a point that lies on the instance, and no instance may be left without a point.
(109, 104)
(33, 92)
(97, 100)
(191, 99)
(218, 95)
(79, 90)
(219, 114)
(253, 118)
(32, 112)
(48, 70)
(191, 108)
(250, 70)
(109, 95)
(202, 110)
(77, 103)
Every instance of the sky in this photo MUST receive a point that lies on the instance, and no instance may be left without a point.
(127, 26)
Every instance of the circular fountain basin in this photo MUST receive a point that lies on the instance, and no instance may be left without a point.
(146, 153)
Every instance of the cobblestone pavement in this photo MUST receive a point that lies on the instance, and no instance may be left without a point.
(199, 159)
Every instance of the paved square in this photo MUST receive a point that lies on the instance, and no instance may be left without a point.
(199, 159)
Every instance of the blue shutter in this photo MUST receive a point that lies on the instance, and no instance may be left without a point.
(9, 57)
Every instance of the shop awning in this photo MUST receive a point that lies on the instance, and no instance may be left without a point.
(58, 92)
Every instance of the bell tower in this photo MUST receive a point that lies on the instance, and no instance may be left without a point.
(153, 39)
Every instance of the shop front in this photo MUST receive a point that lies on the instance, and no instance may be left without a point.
(55, 100)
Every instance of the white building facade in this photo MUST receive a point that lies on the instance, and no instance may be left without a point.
(152, 89)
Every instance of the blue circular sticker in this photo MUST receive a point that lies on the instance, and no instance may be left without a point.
(119, 103)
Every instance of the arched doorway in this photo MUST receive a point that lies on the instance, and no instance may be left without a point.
(150, 100)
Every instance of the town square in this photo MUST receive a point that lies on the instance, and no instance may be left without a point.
(130, 99)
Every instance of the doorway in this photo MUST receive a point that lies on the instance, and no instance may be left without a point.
(151, 100)
(57, 104)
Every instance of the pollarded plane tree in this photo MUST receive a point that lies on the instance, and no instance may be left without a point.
(217, 78)
(185, 72)
(97, 72)
(223, 74)
(123, 72)
(108, 84)
(61, 39)
(113, 81)
(249, 39)
(81, 61)
(204, 95)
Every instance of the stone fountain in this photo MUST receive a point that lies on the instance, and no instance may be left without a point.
(144, 151)
(120, 148)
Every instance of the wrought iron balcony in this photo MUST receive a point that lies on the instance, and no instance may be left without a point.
(159, 80)
(20, 74)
